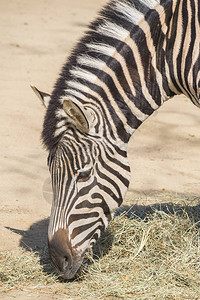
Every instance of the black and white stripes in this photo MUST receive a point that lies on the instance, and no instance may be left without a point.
(134, 57)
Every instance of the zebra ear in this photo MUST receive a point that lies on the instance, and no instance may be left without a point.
(44, 97)
(76, 114)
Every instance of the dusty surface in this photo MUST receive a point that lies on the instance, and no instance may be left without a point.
(36, 38)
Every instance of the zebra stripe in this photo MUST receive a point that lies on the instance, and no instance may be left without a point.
(134, 57)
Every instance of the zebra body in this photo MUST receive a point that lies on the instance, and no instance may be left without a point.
(136, 55)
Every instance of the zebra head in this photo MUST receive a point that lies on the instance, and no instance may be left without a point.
(90, 176)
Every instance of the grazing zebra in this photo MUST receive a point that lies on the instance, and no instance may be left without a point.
(136, 55)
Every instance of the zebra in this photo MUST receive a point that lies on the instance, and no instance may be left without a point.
(135, 55)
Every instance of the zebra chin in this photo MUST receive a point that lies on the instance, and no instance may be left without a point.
(66, 259)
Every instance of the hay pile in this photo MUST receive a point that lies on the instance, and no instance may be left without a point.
(20, 268)
(154, 257)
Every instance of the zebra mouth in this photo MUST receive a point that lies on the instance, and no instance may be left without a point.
(69, 271)
(64, 257)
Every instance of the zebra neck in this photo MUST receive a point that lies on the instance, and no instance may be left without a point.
(134, 78)
(123, 69)
(182, 48)
(123, 83)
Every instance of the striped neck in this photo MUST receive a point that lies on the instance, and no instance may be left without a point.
(183, 49)
(123, 69)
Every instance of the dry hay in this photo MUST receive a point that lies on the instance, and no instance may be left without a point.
(157, 256)
(20, 268)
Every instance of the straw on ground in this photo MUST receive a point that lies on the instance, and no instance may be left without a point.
(157, 256)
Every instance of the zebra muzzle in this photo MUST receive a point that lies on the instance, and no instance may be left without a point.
(63, 256)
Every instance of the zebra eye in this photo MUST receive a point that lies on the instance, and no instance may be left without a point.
(84, 175)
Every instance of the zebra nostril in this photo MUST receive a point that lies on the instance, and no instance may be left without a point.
(65, 262)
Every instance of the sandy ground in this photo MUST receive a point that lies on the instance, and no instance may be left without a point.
(36, 38)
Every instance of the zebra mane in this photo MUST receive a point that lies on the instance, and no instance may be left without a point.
(98, 45)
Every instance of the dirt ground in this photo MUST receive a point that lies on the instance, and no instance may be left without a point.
(36, 38)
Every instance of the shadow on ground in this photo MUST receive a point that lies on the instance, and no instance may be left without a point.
(145, 211)
(35, 238)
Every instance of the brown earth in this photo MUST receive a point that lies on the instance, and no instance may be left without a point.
(36, 38)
